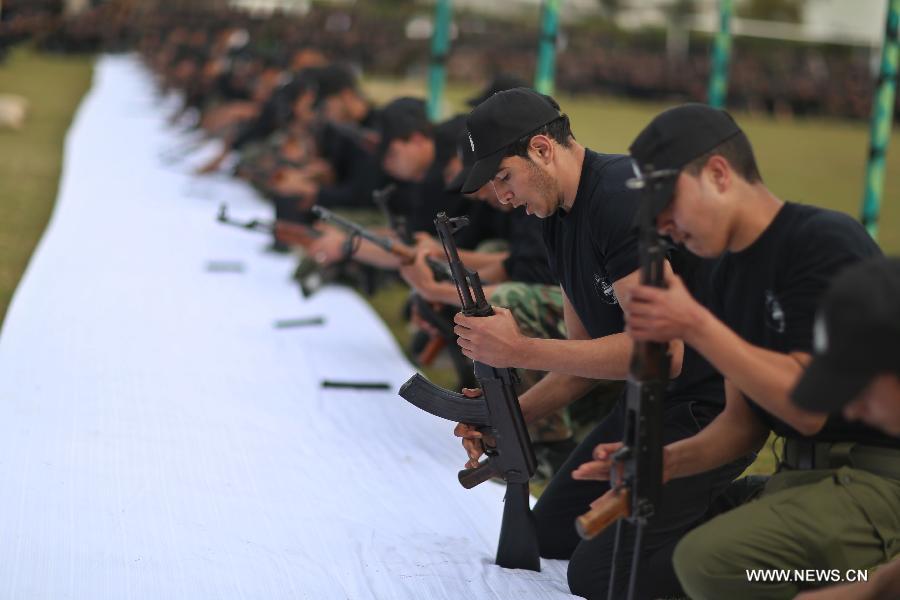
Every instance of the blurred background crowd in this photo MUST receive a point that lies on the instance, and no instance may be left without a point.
(667, 58)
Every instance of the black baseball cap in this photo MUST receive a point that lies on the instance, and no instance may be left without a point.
(500, 83)
(399, 119)
(673, 139)
(498, 122)
(856, 336)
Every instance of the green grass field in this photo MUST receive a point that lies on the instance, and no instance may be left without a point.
(32, 157)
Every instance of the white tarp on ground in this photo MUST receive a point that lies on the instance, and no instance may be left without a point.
(159, 438)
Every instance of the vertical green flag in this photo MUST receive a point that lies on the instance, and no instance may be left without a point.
(718, 74)
(440, 45)
(882, 119)
(545, 74)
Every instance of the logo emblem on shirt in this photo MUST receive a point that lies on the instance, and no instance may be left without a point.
(605, 289)
(774, 313)
(471, 141)
(820, 335)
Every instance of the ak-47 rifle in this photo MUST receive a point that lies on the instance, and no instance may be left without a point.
(307, 274)
(637, 492)
(299, 230)
(406, 254)
(496, 413)
(253, 224)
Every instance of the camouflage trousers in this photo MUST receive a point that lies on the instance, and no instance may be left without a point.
(538, 310)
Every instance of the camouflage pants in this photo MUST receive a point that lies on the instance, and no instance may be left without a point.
(538, 310)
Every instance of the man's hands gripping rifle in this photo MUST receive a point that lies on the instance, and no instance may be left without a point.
(357, 232)
(497, 416)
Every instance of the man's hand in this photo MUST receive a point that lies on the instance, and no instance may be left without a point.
(494, 340)
(662, 314)
(601, 467)
(329, 247)
(419, 275)
(425, 242)
(471, 437)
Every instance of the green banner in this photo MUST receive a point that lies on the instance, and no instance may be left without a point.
(882, 120)
(721, 55)
(440, 46)
(545, 73)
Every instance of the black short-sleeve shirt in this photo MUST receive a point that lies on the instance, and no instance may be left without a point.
(768, 293)
(596, 243)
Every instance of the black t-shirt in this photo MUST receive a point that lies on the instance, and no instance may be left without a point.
(596, 244)
(527, 261)
(768, 293)
(355, 165)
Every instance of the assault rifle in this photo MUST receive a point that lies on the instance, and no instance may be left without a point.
(406, 254)
(496, 414)
(298, 230)
(307, 273)
(399, 249)
(636, 494)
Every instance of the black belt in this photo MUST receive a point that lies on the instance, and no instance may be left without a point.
(805, 454)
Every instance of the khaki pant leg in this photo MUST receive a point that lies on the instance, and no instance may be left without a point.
(843, 519)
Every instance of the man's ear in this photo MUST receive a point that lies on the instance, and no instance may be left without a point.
(720, 173)
(540, 148)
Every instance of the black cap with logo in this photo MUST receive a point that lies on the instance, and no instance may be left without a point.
(464, 151)
(674, 138)
(498, 122)
(856, 335)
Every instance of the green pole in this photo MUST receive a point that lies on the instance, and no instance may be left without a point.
(545, 74)
(882, 119)
(440, 45)
(718, 76)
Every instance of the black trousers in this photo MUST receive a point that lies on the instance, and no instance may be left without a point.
(684, 505)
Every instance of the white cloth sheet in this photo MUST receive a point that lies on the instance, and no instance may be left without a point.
(159, 438)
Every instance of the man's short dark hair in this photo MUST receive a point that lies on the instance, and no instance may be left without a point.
(739, 154)
(558, 130)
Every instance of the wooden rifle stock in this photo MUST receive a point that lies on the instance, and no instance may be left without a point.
(607, 510)
(436, 343)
